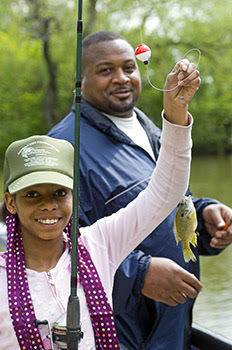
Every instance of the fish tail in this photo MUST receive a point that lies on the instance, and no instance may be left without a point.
(188, 254)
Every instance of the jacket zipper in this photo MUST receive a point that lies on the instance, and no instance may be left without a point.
(50, 278)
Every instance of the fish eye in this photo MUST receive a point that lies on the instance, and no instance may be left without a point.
(182, 214)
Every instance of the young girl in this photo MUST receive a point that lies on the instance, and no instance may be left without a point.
(35, 269)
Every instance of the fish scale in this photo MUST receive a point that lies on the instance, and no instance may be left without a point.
(185, 225)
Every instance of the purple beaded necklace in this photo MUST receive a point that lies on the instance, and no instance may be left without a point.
(20, 302)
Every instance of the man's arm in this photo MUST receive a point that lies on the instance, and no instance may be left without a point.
(169, 283)
(129, 280)
(216, 216)
(212, 217)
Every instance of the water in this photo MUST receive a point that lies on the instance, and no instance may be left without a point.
(212, 177)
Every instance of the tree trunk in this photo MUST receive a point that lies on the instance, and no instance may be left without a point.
(90, 22)
(41, 29)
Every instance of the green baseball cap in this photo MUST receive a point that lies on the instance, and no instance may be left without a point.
(38, 160)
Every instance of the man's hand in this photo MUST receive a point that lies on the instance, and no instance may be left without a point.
(183, 82)
(169, 283)
(215, 217)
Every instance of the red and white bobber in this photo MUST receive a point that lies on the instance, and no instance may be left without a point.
(143, 53)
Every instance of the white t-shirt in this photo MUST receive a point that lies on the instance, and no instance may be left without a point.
(134, 130)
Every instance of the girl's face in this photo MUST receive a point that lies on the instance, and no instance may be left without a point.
(43, 210)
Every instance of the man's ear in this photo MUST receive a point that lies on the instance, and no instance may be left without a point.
(10, 202)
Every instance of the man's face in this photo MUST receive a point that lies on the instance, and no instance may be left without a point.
(110, 77)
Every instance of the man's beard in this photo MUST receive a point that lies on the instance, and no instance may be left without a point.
(120, 108)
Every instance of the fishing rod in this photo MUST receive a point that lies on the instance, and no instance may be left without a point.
(74, 333)
(66, 331)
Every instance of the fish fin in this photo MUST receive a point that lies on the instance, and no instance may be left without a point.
(194, 239)
(188, 254)
(177, 238)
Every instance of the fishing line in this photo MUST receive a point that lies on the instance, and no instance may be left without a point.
(167, 90)
(143, 53)
(140, 27)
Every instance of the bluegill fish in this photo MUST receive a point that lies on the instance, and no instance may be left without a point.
(185, 225)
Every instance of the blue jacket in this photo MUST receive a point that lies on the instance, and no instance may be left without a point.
(113, 170)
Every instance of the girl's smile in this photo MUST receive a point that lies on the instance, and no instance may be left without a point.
(47, 221)
(43, 210)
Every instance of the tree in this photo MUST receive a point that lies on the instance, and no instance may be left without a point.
(37, 75)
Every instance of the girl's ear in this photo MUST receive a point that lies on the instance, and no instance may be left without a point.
(10, 202)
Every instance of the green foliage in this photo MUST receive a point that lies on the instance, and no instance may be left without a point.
(24, 75)
(20, 95)
(169, 27)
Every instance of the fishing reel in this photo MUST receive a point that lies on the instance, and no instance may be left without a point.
(58, 334)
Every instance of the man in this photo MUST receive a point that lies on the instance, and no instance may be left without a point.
(119, 147)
